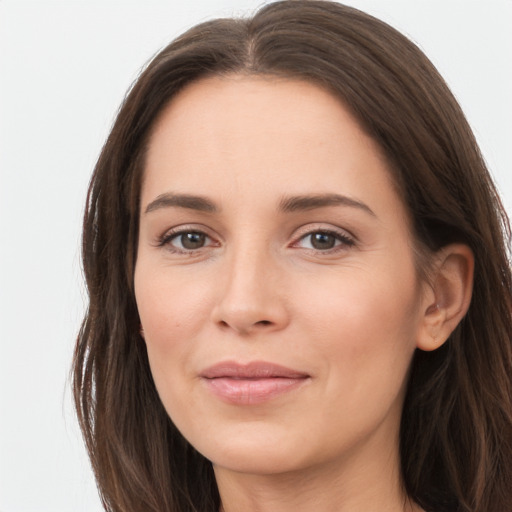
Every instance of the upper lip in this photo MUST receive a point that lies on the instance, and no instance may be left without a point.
(252, 370)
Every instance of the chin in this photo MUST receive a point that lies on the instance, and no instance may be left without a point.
(261, 461)
(257, 450)
(255, 445)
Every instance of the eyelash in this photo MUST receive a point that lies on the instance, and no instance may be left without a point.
(166, 240)
(342, 240)
(345, 241)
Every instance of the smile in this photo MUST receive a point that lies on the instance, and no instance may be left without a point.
(251, 384)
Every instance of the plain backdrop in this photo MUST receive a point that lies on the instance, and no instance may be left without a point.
(64, 68)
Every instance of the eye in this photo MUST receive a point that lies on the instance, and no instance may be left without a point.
(185, 240)
(324, 240)
(190, 241)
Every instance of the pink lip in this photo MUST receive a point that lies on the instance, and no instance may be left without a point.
(253, 383)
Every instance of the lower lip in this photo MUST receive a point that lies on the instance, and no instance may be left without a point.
(252, 391)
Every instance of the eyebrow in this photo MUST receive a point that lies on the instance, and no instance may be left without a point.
(311, 202)
(182, 201)
(286, 205)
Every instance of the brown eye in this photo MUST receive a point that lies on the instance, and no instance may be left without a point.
(322, 241)
(192, 240)
(325, 241)
(185, 241)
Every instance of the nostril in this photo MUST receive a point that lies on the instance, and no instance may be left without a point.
(264, 322)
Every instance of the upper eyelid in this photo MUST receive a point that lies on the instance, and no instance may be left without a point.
(315, 227)
(344, 240)
(297, 234)
(186, 228)
(165, 238)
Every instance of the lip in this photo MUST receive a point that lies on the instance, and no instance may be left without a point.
(253, 383)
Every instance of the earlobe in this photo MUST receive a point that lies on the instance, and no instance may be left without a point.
(448, 297)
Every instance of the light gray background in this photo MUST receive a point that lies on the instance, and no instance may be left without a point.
(64, 68)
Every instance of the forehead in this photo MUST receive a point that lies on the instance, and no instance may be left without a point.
(207, 111)
(260, 136)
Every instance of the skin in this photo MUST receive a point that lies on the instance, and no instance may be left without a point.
(257, 288)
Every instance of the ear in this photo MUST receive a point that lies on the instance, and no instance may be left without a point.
(448, 295)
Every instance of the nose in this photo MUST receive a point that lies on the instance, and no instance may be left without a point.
(252, 296)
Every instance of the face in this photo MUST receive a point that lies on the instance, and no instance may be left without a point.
(275, 277)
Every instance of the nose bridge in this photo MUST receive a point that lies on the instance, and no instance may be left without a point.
(249, 299)
(248, 260)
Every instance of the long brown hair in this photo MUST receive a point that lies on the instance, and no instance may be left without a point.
(456, 430)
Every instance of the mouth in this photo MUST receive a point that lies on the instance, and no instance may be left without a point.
(253, 383)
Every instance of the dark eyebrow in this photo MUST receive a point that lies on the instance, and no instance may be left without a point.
(182, 201)
(310, 202)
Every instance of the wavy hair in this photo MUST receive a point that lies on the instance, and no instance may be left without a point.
(456, 428)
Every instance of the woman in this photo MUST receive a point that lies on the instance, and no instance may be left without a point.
(298, 279)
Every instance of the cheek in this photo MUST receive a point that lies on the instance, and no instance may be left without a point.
(368, 299)
(172, 311)
(364, 334)
(168, 306)
(365, 322)
(170, 314)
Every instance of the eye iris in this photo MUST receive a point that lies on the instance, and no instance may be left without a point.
(192, 240)
(323, 241)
